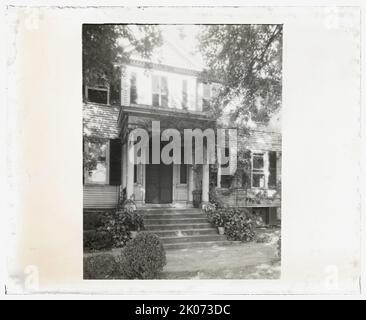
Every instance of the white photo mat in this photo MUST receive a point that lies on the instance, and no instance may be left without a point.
(321, 214)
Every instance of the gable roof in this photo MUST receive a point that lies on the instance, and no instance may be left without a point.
(171, 55)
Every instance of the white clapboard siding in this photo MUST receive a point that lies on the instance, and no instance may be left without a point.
(100, 196)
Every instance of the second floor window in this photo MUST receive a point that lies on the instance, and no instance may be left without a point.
(206, 96)
(133, 88)
(184, 94)
(159, 91)
(97, 94)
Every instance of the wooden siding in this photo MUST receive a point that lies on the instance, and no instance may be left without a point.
(100, 196)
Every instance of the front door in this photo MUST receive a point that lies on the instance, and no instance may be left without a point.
(159, 183)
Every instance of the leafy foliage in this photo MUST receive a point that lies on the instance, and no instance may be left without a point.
(247, 60)
(143, 257)
(279, 250)
(240, 225)
(97, 240)
(102, 49)
(100, 266)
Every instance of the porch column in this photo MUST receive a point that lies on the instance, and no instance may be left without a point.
(205, 183)
(124, 166)
(130, 170)
(219, 176)
(190, 184)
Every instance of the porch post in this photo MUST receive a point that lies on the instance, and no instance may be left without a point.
(130, 170)
(124, 166)
(190, 184)
(219, 176)
(205, 183)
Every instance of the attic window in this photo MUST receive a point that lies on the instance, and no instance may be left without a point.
(97, 95)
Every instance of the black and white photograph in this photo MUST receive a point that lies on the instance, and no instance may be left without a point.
(217, 86)
(195, 152)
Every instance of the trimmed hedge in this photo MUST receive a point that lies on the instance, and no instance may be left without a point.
(97, 240)
(101, 266)
(143, 257)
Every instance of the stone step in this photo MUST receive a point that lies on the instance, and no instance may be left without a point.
(200, 238)
(177, 226)
(185, 233)
(178, 220)
(204, 244)
(150, 216)
(169, 211)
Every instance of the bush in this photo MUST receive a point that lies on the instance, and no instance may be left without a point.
(97, 240)
(143, 257)
(134, 221)
(101, 266)
(219, 218)
(279, 247)
(117, 225)
(240, 225)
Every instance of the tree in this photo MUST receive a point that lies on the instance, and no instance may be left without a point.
(247, 60)
(102, 49)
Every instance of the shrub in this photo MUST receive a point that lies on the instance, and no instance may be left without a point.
(143, 257)
(117, 225)
(97, 240)
(101, 266)
(134, 221)
(240, 225)
(279, 247)
(219, 218)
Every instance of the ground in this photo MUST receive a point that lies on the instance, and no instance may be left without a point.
(237, 261)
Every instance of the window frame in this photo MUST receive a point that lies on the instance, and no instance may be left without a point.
(207, 99)
(87, 88)
(184, 94)
(160, 91)
(258, 171)
(107, 161)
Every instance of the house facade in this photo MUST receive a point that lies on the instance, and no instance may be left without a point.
(172, 92)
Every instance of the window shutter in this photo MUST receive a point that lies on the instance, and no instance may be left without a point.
(125, 88)
(115, 165)
(272, 179)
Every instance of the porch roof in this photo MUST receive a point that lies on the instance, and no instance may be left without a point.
(100, 120)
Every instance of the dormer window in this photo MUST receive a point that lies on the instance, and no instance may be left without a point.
(97, 94)
(159, 91)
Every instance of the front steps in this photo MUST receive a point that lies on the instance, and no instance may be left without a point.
(181, 228)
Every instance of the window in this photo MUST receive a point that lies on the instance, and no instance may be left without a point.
(98, 157)
(184, 94)
(206, 96)
(159, 91)
(97, 95)
(272, 166)
(258, 170)
(133, 88)
(226, 180)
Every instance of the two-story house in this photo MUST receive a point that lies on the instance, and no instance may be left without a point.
(167, 88)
